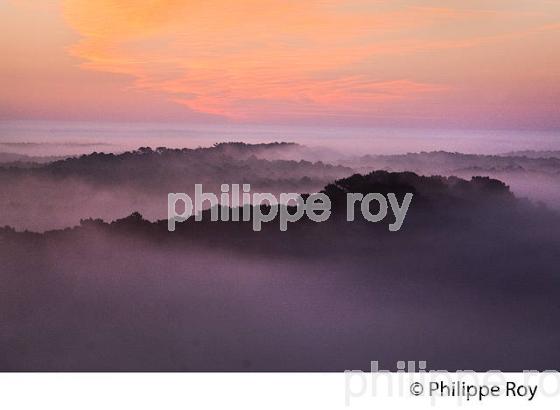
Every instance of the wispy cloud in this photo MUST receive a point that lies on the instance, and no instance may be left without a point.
(249, 59)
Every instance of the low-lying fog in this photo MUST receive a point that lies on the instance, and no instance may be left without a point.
(470, 282)
(42, 193)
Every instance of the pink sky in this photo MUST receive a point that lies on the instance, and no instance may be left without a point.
(491, 63)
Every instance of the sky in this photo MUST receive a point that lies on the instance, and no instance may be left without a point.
(419, 63)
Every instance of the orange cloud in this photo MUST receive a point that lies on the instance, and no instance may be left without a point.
(250, 59)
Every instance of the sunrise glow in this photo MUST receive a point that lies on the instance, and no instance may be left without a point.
(492, 63)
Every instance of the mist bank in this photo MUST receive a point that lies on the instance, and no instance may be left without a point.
(111, 186)
(57, 194)
(472, 268)
(535, 175)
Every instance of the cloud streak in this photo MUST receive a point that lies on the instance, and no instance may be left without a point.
(254, 59)
(440, 62)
